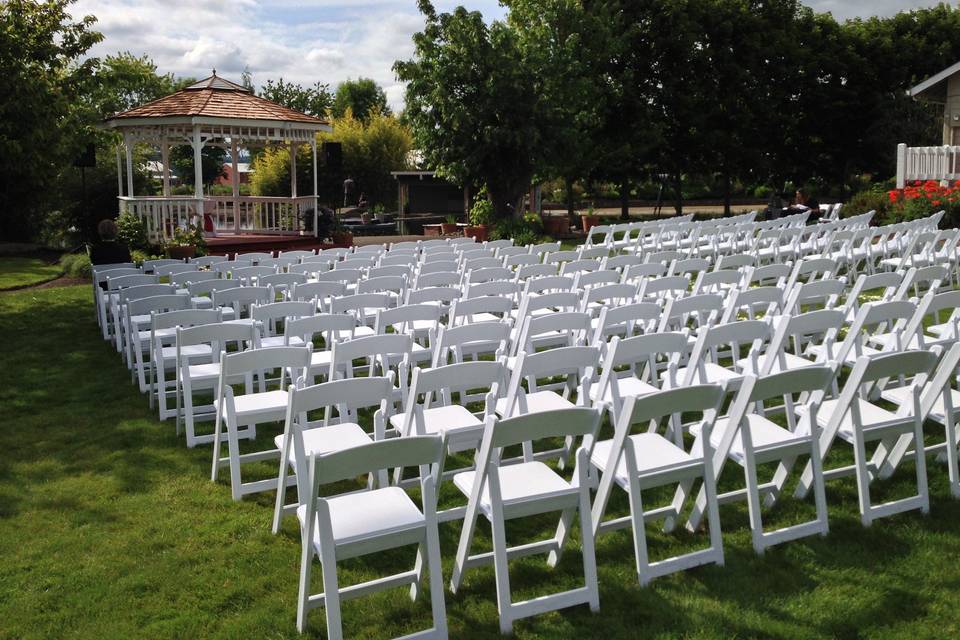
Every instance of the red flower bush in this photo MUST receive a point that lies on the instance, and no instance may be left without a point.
(919, 199)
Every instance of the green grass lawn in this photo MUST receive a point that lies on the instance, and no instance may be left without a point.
(16, 271)
(111, 528)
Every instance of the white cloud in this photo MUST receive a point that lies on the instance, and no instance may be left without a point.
(304, 41)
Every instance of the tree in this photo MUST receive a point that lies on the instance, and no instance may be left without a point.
(473, 104)
(371, 150)
(313, 101)
(211, 161)
(42, 78)
(363, 96)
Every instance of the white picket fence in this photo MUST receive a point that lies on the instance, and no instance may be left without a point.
(927, 163)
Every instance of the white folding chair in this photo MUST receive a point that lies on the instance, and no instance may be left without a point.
(507, 492)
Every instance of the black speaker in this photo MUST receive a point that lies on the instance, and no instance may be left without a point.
(87, 157)
(333, 155)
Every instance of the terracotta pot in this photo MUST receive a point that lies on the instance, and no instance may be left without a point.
(556, 226)
(478, 233)
(589, 222)
(342, 239)
(181, 252)
(448, 229)
(365, 218)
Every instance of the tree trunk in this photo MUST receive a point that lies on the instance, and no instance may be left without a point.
(568, 183)
(678, 192)
(726, 192)
(625, 199)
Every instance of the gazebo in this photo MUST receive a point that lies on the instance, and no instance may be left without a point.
(216, 112)
(940, 162)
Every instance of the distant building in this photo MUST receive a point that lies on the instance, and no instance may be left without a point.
(944, 88)
(243, 169)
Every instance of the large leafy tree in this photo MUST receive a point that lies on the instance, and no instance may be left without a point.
(362, 96)
(473, 104)
(41, 79)
(313, 100)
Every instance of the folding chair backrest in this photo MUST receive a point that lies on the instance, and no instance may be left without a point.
(547, 284)
(412, 451)
(494, 336)
(351, 394)
(130, 280)
(572, 422)
(184, 318)
(437, 279)
(292, 358)
(537, 271)
(331, 326)
(693, 398)
(403, 317)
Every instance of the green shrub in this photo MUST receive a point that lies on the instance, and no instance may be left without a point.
(76, 265)
(138, 256)
(872, 199)
(527, 230)
(131, 231)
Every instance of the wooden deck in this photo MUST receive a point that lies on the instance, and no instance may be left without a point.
(224, 244)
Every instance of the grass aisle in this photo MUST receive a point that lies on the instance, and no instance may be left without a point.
(16, 272)
(110, 528)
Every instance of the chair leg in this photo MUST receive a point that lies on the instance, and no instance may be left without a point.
(306, 566)
(331, 593)
(863, 478)
(586, 534)
(501, 569)
(641, 556)
(437, 603)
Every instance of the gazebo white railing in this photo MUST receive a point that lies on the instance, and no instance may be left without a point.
(940, 163)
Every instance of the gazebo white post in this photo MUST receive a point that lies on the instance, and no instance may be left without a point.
(313, 151)
(198, 169)
(119, 179)
(127, 147)
(235, 183)
(293, 174)
(165, 161)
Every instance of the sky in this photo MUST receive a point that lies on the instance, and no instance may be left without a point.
(306, 40)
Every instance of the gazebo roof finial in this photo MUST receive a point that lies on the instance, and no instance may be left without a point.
(214, 71)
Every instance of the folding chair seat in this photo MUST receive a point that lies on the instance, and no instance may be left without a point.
(150, 266)
(534, 271)
(163, 355)
(205, 376)
(484, 308)
(387, 355)
(625, 321)
(240, 413)
(564, 329)
(748, 437)
(854, 419)
(281, 283)
(723, 342)
(240, 300)
(580, 266)
(636, 366)
(639, 272)
(302, 439)
(139, 313)
(250, 275)
(471, 341)
(648, 460)
(254, 257)
(598, 297)
(939, 402)
(363, 307)
(818, 294)
(107, 285)
(663, 288)
(505, 492)
(269, 317)
(345, 526)
(431, 409)
(874, 318)
(436, 279)
(575, 366)
(419, 321)
(393, 271)
(770, 275)
(584, 279)
(753, 303)
(322, 328)
(167, 270)
(800, 341)
(500, 288)
(482, 264)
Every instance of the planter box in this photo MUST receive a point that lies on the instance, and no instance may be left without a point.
(449, 229)
(179, 253)
(478, 233)
(556, 226)
(589, 222)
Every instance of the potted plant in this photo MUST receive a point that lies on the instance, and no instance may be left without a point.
(555, 226)
(187, 242)
(481, 214)
(589, 219)
(340, 235)
(379, 212)
(366, 217)
(450, 226)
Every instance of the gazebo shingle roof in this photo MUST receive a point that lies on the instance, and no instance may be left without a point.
(215, 97)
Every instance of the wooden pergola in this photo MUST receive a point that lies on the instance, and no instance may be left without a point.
(215, 112)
